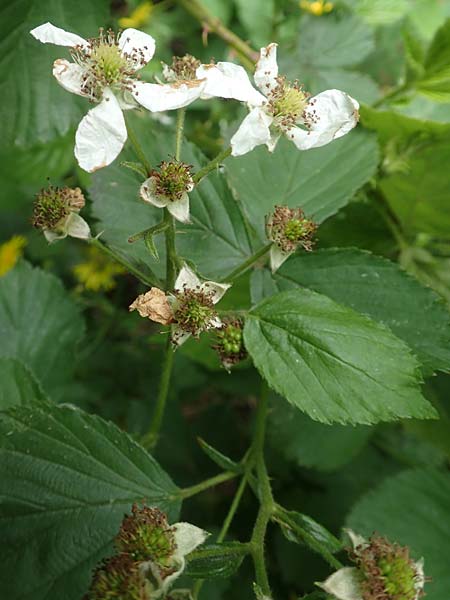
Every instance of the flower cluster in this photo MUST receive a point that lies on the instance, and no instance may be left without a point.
(150, 556)
(105, 69)
(10, 252)
(55, 212)
(288, 229)
(189, 309)
(98, 272)
(383, 571)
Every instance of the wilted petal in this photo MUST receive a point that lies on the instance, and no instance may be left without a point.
(277, 257)
(49, 34)
(267, 69)
(101, 134)
(157, 97)
(253, 131)
(148, 194)
(227, 80)
(69, 75)
(153, 305)
(187, 538)
(329, 116)
(344, 584)
(419, 580)
(187, 279)
(77, 227)
(180, 208)
(217, 289)
(215, 323)
(139, 44)
(356, 539)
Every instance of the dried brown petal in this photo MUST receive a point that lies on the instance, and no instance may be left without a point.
(154, 305)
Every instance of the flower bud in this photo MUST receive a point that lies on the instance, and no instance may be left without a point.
(230, 343)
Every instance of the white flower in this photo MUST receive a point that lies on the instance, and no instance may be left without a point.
(55, 212)
(169, 188)
(286, 109)
(104, 70)
(188, 80)
(381, 566)
(193, 304)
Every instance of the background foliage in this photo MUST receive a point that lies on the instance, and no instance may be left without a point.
(381, 272)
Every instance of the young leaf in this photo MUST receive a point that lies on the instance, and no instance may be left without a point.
(333, 363)
(220, 459)
(321, 181)
(302, 529)
(216, 560)
(436, 80)
(374, 286)
(68, 478)
(40, 325)
(412, 508)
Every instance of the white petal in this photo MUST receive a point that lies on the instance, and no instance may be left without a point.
(217, 289)
(420, 578)
(227, 80)
(215, 323)
(137, 44)
(187, 279)
(69, 75)
(180, 208)
(53, 236)
(356, 539)
(49, 34)
(101, 134)
(344, 584)
(157, 97)
(77, 227)
(277, 257)
(330, 115)
(187, 538)
(267, 69)
(147, 193)
(253, 131)
(178, 336)
(274, 137)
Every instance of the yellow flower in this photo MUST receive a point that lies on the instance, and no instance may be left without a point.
(139, 17)
(317, 8)
(98, 272)
(10, 252)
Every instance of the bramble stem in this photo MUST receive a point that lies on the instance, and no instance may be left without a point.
(247, 55)
(212, 165)
(193, 490)
(247, 263)
(394, 93)
(148, 280)
(265, 494)
(137, 147)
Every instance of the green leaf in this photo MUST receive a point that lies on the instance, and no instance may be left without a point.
(258, 19)
(216, 560)
(217, 457)
(374, 286)
(34, 108)
(331, 362)
(39, 325)
(295, 436)
(18, 387)
(68, 478)
(302, 529)
(436, 79)
(413, 509)
(321, 181)
(216, 241)
(380, 12)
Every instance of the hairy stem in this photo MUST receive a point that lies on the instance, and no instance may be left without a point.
(148, 279)
(247, 263)
(265, 494)
(193, 490)
(212, 165)
(247, 55)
